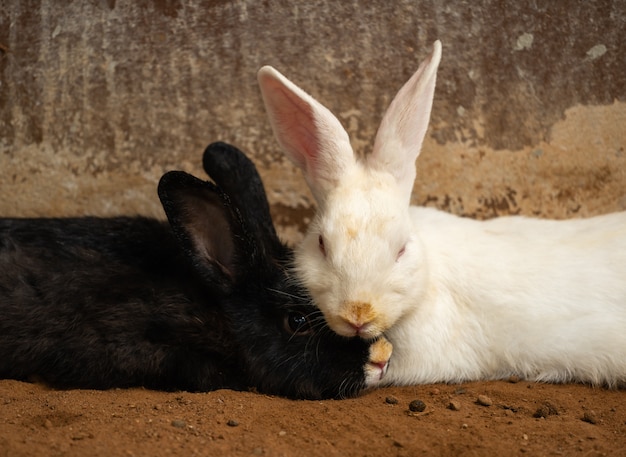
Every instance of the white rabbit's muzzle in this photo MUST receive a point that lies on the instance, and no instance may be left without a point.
(358, 318)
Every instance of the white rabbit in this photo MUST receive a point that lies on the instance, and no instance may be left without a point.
(459, 299)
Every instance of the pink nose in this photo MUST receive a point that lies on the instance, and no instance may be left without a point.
(359, 316)
(358, 327)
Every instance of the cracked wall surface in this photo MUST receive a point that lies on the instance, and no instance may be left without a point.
(98, 99)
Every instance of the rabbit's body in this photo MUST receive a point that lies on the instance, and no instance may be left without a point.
(543, 300)
(203, 302)
(459, 299)
(101, 303)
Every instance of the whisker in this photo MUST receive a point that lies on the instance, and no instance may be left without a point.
(286, 294)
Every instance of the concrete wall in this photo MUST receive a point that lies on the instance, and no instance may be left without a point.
(98, 98)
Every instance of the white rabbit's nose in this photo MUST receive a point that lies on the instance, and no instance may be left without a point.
(358, 319)
(358, 327)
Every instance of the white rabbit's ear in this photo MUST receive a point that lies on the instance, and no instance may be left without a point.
(402, 130)
(310, 135)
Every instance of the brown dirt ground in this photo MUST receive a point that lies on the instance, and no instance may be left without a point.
(579, 420)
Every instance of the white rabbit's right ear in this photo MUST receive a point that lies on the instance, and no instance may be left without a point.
(310, 135)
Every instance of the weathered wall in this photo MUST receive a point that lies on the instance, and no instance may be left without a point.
(98, 98)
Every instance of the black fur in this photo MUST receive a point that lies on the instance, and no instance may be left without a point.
(202, 303)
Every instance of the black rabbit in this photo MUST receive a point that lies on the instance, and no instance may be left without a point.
(202, 303)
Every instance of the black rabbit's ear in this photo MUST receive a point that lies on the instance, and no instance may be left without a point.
(203, 222)
(237, 176)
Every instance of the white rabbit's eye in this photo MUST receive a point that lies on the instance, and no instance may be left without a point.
(297, 323)
(401, 252)
(320, 241)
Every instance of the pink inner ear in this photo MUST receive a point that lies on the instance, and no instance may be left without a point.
(294, 123)
(309, 134)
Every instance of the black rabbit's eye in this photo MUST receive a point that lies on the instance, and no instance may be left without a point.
(297, 324)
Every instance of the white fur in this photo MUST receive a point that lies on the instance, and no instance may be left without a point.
(459, 299)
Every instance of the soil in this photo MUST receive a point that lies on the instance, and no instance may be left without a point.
(473, 419)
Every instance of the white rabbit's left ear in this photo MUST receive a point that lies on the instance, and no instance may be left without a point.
(309, 134)
(402, 130)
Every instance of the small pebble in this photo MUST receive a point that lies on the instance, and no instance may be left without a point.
(282, 433)
(232, 423)
(417, 406)
(48, 423)
(178, 423)
(484, 400)
(590, 417)
(435, 391)
(464, 426)
(546, 410)
(514, 379)
(454, 405)
(81, 436)
(391, 400)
